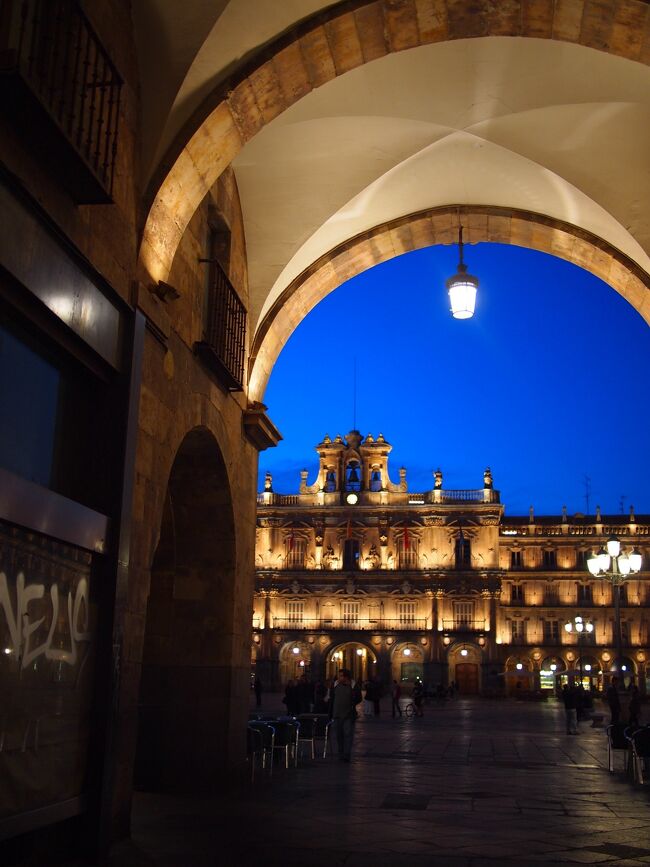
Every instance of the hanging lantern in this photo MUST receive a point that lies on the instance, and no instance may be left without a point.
(462, 287)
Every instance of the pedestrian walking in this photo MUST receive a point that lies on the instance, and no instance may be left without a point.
(570, 700)
(257, 689)
(613, 700)
(343, 712)
(395, 694)
(418, 697)
(634, 707)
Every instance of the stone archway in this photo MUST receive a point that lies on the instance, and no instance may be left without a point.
(330, 44)
(187, 684)
(424, 229)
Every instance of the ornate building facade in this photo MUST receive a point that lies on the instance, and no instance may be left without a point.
(358, 571)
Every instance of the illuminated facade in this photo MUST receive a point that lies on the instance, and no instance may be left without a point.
(356, 570)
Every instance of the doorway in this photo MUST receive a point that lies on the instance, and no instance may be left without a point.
(467, 678)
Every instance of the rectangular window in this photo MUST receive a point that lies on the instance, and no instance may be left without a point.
(295, 612)
(296, 551)
(625, 632)
(517, 593)
(407, 555)
(463, 614)
(584, 594)
(55, 423)
(517, 631)
(406, 611)
(350, 611)
(516, 559)
(549, 558)
(551, 596)
(551, 631)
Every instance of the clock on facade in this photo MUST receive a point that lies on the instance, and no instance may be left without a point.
(352, 499)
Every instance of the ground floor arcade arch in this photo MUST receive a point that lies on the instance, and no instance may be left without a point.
(356, 657)
(184, 684)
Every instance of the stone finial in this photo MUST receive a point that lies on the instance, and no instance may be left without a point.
(369, 439)
(598, 518)
(531, 515)
(268, 482)
(326, 440)
(632, 518)
(564, 515)
(380, 438)
(437, 475)
(338, 439)
(487, 478)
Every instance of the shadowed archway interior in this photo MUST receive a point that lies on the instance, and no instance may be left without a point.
(186, 676)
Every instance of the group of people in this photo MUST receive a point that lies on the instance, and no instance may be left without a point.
(305, 696)
(578, 703)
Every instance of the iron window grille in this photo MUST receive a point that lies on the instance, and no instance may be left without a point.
(224, 340)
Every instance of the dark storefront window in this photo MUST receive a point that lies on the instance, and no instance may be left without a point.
(53, 419)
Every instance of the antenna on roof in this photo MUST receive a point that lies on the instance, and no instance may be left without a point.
(354, 395)
(622, 503)
(587, 483)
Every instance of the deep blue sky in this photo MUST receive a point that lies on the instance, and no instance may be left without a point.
(546, 384)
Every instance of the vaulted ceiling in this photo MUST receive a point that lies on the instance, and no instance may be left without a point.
(536, 124)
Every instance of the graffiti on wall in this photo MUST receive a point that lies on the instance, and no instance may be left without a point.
(22, 624)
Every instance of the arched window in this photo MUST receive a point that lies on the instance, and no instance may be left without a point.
(330, 482)
(352, 476)
(375, 481)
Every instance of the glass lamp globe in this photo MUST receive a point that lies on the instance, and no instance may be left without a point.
(613, 546)
(593, 563)
(635, 561)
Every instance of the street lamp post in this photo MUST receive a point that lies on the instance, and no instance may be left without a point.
(613, 565)
(581, 627)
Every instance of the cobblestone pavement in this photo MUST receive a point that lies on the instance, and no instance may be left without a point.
(475, 782)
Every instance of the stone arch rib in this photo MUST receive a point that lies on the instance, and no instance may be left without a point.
(427, 228)
(330, 44)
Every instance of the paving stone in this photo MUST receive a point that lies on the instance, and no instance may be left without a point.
(478, 784)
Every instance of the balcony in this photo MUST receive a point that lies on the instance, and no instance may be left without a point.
(61, 93)
(362, 624)
(463, 625)
(223, 348)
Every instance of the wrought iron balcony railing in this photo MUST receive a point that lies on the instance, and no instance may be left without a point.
(62, 92)
(463, 625)
(224, 344)
(363, 624)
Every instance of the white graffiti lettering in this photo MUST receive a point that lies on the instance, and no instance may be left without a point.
(22, 628)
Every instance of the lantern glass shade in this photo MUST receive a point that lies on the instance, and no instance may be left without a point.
(589, 626)
(579, 626)
(635, 561)
(604, 560)
(568, 627)
(624, 564)
(613, 546)
(462, 295)
(593, 563)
